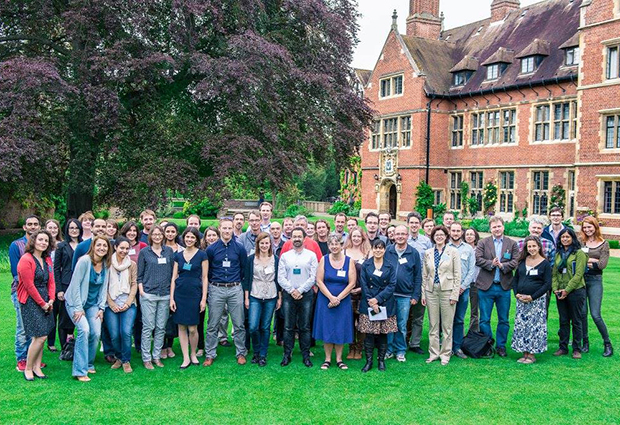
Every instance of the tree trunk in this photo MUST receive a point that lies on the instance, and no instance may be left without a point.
(82, 169)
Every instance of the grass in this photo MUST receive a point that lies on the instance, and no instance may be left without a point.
(554, 390)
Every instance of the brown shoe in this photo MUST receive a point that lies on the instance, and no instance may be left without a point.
(208, 362)
(148, 365)
(352, 353)
(241, 360)
(158, 363)
(358, 354)
(560, 352)
(127, 367)
(576, 355)
(117, 364)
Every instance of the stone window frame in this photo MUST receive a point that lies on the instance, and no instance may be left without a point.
(499, 127)
(455, 201)
(614, 181)
(457, 131)
(391, 80)
(376, 142)
(506, 192)
(603, 115)
(550, 122)
(541, 192)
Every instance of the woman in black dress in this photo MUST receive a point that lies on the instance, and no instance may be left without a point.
(188, 293)
(62, 277)
(36, 292)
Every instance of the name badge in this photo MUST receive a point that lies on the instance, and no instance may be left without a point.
(296, 271)
(268, 270)
(187, 266)
(463, 256)
(341, 273)
(378, 273)
(402, 260)
(585, 249)
(132, 251)
(534, 272)
(507, 255)
(162, 261)
(225, 263)
(564, 270)
(251, 252)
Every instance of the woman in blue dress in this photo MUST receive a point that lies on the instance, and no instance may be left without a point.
(188, 293)
(333, 318)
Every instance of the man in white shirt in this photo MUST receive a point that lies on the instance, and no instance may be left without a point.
(297, 277)
(266, 210)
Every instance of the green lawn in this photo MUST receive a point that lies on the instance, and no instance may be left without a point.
(466, 391)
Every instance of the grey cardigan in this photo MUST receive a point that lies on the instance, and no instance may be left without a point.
(77, 292)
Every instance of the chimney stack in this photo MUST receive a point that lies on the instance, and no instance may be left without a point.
(424, 20)
(501, 8)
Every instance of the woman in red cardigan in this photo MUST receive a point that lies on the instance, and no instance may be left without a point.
(36, 292)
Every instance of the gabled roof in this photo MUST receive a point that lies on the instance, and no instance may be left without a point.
(468, 63)
(363, 75)
(537, 47)
(502, 55)
(537, 29)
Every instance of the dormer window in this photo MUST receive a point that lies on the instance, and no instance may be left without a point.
(530, 64)
(572, 56)
(461, 78)
(391, 86)
(495, 70)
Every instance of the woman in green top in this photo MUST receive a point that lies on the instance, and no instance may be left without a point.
(570, 289)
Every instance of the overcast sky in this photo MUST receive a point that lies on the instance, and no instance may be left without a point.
(377, 18)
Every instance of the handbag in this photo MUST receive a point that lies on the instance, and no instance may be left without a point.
(67, 350)
(478, 345)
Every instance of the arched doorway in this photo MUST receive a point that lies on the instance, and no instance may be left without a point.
(392, 201)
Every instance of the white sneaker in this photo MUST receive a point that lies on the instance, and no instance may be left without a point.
(401, 358)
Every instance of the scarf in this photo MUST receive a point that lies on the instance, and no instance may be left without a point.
(564, 254)
(119, 277)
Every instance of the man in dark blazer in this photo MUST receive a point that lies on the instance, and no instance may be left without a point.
(497, 256)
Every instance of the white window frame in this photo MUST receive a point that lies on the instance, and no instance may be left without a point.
(456, 128)
(456, 177)
(549, 127)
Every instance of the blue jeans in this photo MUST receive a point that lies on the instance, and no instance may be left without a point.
(501, 298)
(87, 340)
(22, 342)
(397, 341)
(459, 321)
(260, 315)
(120, 328)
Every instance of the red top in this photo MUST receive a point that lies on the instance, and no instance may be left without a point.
(308, 244)
(25, 273)
(133, 256)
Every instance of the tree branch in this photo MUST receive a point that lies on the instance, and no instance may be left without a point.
(49, 43)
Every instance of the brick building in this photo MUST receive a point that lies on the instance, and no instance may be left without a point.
(528, 98)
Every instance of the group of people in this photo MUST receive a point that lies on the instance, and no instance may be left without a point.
(366, 288)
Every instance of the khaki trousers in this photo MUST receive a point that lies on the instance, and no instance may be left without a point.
(440, 313)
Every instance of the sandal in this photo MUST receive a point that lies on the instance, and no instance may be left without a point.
(342, 366)
(325, 365)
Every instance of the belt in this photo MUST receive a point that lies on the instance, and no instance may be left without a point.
(225, 285)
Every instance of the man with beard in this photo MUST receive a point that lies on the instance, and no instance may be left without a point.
(297, 277)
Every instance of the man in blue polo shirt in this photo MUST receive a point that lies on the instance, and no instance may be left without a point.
(406, 261)
(16, 251)
(227, 260)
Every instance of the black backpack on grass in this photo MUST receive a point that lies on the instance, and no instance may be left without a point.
(67, 350)
(478, 345)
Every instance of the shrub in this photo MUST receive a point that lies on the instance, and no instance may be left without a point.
(105, 214)
(481, 224)
(489, 198)
(204, 208)
(424, 198)
(295, 209)
(178, 214)
(339, 207)
(517, 227)
(614, 244)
